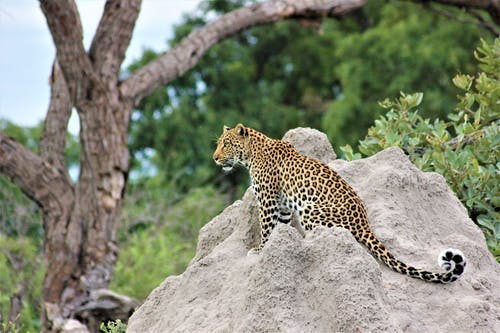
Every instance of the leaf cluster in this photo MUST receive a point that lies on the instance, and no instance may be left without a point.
(465, 149)
(113, 327)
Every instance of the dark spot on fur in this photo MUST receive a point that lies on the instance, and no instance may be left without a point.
(459, 269)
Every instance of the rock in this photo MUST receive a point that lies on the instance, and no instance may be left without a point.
(312, 143)
(104, 304)
(74, 326)
(326, 281)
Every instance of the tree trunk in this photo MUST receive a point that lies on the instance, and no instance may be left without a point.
(81, 220)
(80, 236)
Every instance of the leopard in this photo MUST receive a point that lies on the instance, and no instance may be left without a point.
(290, 185)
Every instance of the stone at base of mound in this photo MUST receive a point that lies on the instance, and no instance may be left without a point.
(327, 282)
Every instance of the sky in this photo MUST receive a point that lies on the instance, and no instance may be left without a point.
(27, 50)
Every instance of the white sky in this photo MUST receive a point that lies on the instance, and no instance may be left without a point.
(27, 50)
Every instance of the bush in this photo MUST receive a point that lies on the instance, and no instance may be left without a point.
(465, 149)
(22, 270)
(21, 262)
(160, 236)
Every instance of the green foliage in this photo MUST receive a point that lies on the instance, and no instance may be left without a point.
(281, 76)
(113, 327)
(27, 136)
(9, 328)
(349, 153)
(465, 149)
(160, 236)
(406, 48)
(21, 264)
(22, 271)
(176, 128)
(19, 216)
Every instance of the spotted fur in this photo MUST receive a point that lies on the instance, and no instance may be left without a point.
(287, 183)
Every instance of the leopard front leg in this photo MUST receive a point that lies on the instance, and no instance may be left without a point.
(268, 218)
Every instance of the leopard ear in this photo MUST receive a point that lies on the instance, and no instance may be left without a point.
(225, 128)
(241, 130)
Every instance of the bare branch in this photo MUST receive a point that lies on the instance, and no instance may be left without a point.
(66, 30)
(187, 54)
(478, 21)
(14, 262)
(482, 22)
(53, 140)
(113, 37)
(457, 142)
(491, 6)
(38, 179)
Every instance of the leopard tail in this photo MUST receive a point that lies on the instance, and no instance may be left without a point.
(452, 261)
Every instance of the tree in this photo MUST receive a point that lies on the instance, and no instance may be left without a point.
(407, 48)
(80, 219)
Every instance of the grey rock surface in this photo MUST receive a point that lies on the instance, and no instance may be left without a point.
(312, 143)
(326, 281)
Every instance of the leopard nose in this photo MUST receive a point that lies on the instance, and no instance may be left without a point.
(216, 157)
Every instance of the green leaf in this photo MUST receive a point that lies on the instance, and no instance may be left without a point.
(386, 103)
(349, 154)
(463, 82)
(486, 222)
(414, 100)
(454, 117)
(393, 138)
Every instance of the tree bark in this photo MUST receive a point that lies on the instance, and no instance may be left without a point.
(80, 220)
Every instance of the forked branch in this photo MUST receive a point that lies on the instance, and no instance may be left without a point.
(113, 37)
(66, 30)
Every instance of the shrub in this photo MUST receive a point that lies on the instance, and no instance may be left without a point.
(465, 149)
(161, 237)
(21, 262)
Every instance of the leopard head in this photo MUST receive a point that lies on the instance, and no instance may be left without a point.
(232, 148)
